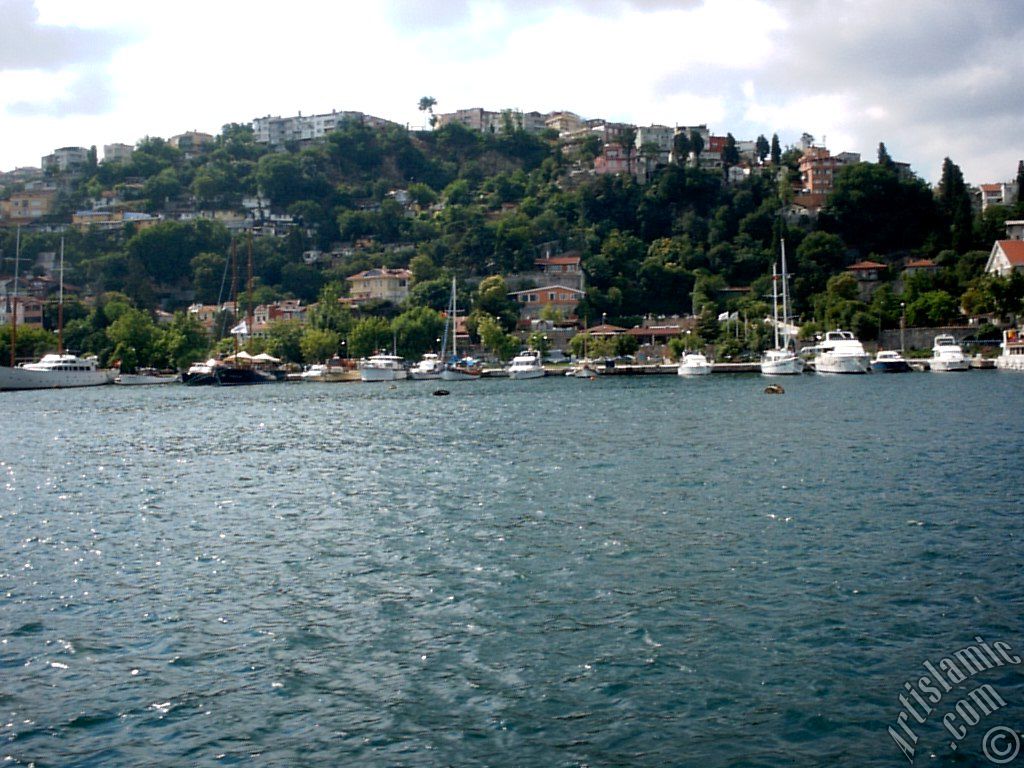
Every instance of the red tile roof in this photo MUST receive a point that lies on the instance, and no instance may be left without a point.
(1014, 250)
(866, 265)
(920, 264)
(559, 260)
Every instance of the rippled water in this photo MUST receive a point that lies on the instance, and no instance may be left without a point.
(646, 571)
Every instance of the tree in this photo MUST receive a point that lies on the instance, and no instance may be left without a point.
(369, 335)
(681, 147)
(319, 344)
(284, 340)
(493, 337)
(184, 341)
(954, 202)
(762, 148)
(1020, 182)
(416, 331)
(696, 145)
(776, 150)
(884, 159)
(627, 138)
(492, 297)
(730, 154)
(329, 314)
(134, 336)
(427, 104)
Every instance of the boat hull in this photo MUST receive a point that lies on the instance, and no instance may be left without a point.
(790, 365)
(1010, 363)
(13, 379)
(839, 364)
(890, 366)
(230, 377)
(140, 379)
(530, 373)
(454, 374)
(947, 366)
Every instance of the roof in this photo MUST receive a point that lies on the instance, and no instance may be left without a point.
(920, 264)
(369, 274)
(1014, 250)
(992, 187)
(866, 265)
(656, 331)
(605, 329)
(559, 260)
(548, 288)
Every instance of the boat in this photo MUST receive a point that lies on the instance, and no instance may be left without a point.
(429, 367)
(526, 365)
(947, 355)
(693, 364)
(331, 371)
(56, 371)
(456, 368)
(889, 361)
(781, 360)
(146, 376)
(584, 369)
(382, 367)
(231, 372)
(840, 352)
(1012, 356)
(52, 371)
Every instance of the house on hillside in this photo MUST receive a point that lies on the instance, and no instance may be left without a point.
(381, 284)
(868, 275)
(1007, 256)
(560, 298)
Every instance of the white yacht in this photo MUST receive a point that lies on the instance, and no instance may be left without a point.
(693, 364)
(56, 372)
(889, 361)
(429, 367)
(146, 376)
(782, 360)
(840, 352)
(526, 366)
(382, 367)
(1012, 356)
(947, 355)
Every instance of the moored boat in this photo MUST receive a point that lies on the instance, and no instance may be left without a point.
(781, 360)
(429, 367)
(889, 361)
(947, 355)
(382, 367)
(146, 376)
(526, 365)
(1011, 357)
(56, 371)
(840, 352)
(693, 364)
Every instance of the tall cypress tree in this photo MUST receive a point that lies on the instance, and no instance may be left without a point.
(776, 152)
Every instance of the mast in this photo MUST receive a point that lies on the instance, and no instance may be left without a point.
(14, 299)
(234, 286)
(775, 303)
(60, 303)
(785, 294)
(248, 291)
(455, 322)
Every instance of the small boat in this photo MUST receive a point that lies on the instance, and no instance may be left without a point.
(947, 355)
(329, 372)
(223, 374)
(147, 376)
(840, 352)
(693, 364)
(1011, 358)
(382, 367)
(584, 369)
(889, 361)
(526, 365)
(782, 360)
(429, 367)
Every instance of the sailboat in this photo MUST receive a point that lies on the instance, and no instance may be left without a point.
(781, 360)
(456, 369)
(53, 371)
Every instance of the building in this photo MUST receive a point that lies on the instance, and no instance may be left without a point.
(560, 298)
(117, 153)
(66, 159)
(868, 275)
(276, 131)
(191, 142)
(27, 206)
(381, 284)
(818, 168)
(1007, 256)
(485, 121)
(1004, 193)
(564, 122)
(915, 266)
(29, 311)
(85, 221)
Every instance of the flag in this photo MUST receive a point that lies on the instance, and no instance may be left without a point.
(723, 317)
(242, 329)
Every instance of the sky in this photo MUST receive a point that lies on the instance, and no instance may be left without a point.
(929, 78)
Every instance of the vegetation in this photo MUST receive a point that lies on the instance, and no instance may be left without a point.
(478, 205)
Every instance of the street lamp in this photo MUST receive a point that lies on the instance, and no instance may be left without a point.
(903, 322)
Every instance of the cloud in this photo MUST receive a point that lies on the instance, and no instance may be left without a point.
(88, 94)
(27, 44)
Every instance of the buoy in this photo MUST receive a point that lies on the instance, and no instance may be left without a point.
(440, 392)
(774, 389)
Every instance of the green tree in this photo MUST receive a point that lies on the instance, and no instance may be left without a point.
(492, 297)
(319, 344)
(776, 151)
(427, 104)
(627, 138)
(884, 159)
(730, 153)
(184, 341)
(932, 308)
(954, 202)
(416, 331)
(762, 148)
(494, 338)
(369, 335)
(135, 338)
(284, 340)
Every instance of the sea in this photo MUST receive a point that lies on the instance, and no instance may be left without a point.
(626, 571)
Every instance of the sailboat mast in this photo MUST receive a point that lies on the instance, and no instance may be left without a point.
(455, 321)
(14, 300)
(785, 294)
(60, 304)
(775, 304)
(248, 291)
(234, 287)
